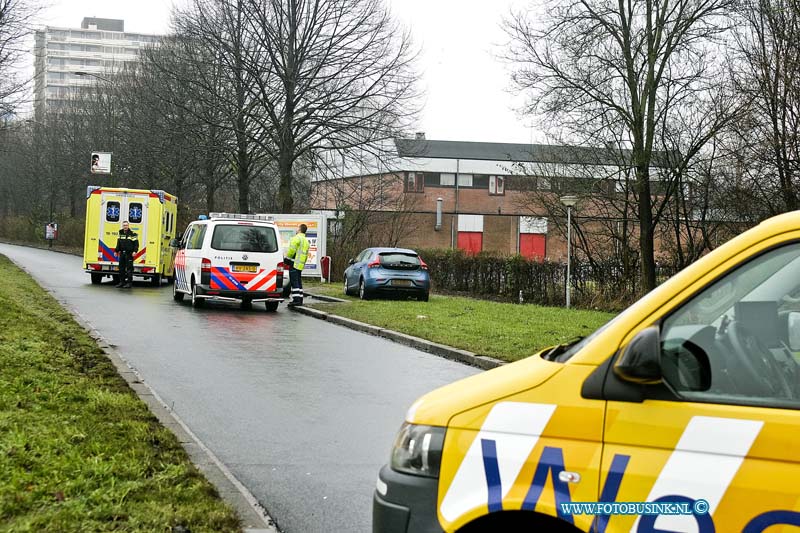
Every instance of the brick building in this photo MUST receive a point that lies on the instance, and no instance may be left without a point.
(489, 196)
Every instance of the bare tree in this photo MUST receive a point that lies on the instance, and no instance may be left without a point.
(768, 73)
(331, 76)
(15, 20)
(627, 67)
(208, 61)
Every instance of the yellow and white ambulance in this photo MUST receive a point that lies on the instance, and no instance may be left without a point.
(150, 213)
(682, 414)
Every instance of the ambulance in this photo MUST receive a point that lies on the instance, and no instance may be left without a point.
(230, 257)
(682, 414)
(150, 213)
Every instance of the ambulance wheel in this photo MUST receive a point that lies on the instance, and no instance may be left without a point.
(271, 306)
(155, 280)
(97, 279)
(246, 304)
(176, 294)
(196, 302)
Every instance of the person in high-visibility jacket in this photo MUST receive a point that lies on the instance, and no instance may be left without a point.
(296, 257)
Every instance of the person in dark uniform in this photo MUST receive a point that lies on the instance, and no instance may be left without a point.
(127, 245)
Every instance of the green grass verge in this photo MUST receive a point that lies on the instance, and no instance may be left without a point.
(502, 330)
(78, 450)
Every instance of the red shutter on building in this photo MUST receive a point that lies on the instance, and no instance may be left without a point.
(532, 245)
(470, 241)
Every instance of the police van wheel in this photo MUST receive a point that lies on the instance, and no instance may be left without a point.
(155, 280)
(271, 306)
(196, 302)
(176, 294)
(97, 279)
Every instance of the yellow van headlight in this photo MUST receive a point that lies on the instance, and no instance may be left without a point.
(418, 450)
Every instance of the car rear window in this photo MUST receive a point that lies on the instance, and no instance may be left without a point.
(398, 258)
(244, 238)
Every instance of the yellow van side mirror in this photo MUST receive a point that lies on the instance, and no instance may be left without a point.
(640, 360)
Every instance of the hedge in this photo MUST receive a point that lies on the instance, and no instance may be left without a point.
(514, 278)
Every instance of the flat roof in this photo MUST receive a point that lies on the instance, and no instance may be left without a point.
(524, 153)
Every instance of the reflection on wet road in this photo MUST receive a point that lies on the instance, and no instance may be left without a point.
(302, 412)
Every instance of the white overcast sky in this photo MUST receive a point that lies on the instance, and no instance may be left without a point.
(467, 95)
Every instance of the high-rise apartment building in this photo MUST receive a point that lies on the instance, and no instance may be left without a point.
(99, 48)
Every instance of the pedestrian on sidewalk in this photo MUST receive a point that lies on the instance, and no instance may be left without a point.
(127, 245)
(296, 257)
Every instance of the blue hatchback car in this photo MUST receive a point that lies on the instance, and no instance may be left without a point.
(387, 271)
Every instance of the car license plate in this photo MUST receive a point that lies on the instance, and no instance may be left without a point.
(245, 268)
(402, 283)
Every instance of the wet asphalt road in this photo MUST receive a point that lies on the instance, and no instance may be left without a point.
(301, 411)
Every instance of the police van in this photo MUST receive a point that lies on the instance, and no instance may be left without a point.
(230, 257)
(682, 414)
(151, 215)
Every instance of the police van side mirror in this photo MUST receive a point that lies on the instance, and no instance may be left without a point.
(640, 360)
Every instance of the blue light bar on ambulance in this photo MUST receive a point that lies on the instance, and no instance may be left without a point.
(240, 216)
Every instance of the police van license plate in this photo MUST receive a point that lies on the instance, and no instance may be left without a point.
(244, 268)
(402, 283)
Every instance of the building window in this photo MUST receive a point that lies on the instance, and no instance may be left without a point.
(112, 212)
(135, 213)
(542, 183)
(448, 180)
(465, 180)
(415, 182)
(497, 185)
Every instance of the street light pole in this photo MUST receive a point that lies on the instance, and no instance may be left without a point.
(570, 202)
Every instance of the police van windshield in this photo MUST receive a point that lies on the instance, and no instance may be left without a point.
(244, 238)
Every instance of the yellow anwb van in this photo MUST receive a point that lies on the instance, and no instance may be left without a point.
(682, 414)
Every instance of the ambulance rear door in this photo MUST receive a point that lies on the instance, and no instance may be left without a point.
(116, 207)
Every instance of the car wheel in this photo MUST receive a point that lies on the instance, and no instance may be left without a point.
(362, 290)
(425, 297)
(176, 294)
(97, 279)
(196, 302)
(271, 306)
(345, 290)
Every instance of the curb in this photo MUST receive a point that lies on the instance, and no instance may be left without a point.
(323, 298)
(40, 247)
(253, 516)
(448, 352)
